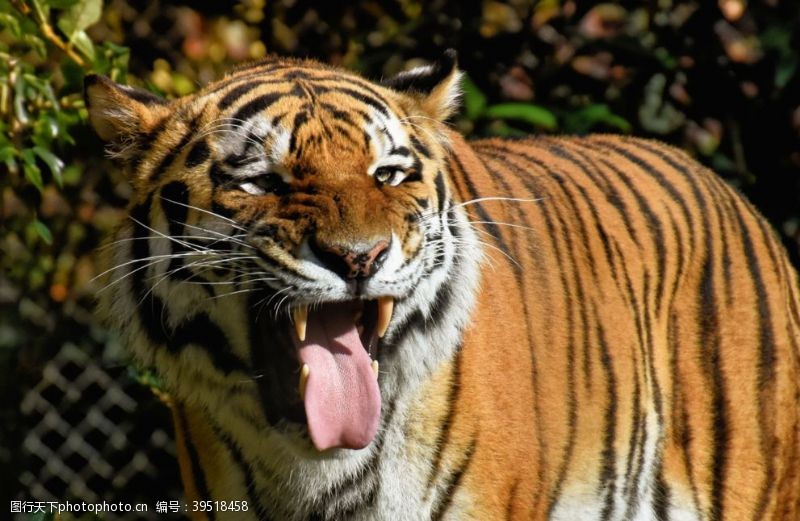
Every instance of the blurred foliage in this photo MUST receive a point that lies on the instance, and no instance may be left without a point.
(56, 197)
(717, 78)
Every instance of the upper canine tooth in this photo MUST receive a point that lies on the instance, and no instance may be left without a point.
(300, 316)
(385, 307)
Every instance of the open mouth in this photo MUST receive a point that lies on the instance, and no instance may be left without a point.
(336, 345)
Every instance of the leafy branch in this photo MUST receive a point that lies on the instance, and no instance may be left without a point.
(47, 32)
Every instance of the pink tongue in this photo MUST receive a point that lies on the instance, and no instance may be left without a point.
(342, 400)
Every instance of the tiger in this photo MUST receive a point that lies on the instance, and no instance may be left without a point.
(357, 313)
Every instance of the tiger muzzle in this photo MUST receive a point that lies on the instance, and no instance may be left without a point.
(357, 262)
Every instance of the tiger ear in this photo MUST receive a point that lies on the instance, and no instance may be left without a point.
(437, 87)
(120, 114)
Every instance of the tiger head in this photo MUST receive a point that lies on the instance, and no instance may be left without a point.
(291, 226)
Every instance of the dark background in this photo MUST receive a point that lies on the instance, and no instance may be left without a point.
(718, 79)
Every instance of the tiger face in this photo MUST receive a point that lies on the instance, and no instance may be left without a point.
(302, 214)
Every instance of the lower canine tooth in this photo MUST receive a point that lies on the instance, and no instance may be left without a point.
(304, 380)
(300, 316)
(375, 367)
(385, 308)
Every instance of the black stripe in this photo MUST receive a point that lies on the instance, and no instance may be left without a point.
(234, 80)
(607, 187)
(710, 339)
(300, 119)
(667, 185)
(339, 115)
(441, 191)
(561, 183)
(198, 476)
(683, 432)
(151, 312)
(144, 141)
(219, 177)
(142, 96)
(608, 472)
(400, 151)
(256, 106)
(491, 227)
(552, 234)
(440, 307)
(445, 500)
(655, 226)
(604, 187)
(237, 92)
(199, 330)
(767, 356)
(531, 184)
(635, 461)
(443, 437)
(422, 203)
(710, 336)
(174, 201)
(671, 190)
(169, 158)
(253, 496)
(420, 147)
(359, 83)
(647, 345)
(198, 154)
(634, 446)
(359, 96)
(661, 496)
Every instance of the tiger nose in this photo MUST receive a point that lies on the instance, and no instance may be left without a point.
(351, 262)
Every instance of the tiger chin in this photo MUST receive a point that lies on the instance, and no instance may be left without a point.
(360, 315)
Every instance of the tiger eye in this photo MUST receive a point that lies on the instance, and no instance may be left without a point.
(383, 175)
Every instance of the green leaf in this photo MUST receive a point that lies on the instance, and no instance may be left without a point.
(79, 17)
(35, 43)
(46, 129)
(20, 111)
(583, 120)
(43, 231)
(55, 164)
(43, 86)
(7, 153)
(32, 171)
(528, 112)
(42, 8)
(787, 66)
(474, 99)
(72, 175)
(8, 157)
(34, 175)
(11, 23)
(73, 75)
(84, 44)
(146, 377)
(182, 84)
(500, 128)
(119, 56)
